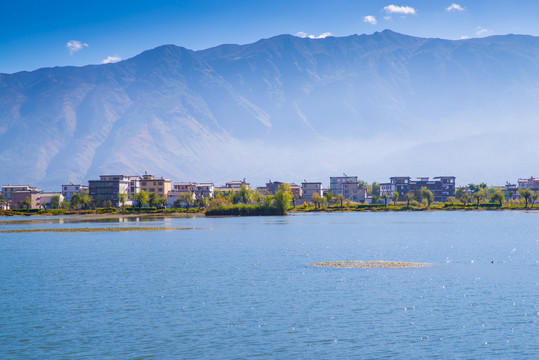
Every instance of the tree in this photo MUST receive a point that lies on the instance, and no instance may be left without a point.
(385, 197)
(478, 196)
(96, 201)
(526, 194)
(257, 197)
(395, 197)
(75, 201)
(361, 184)
(85, 200)
(477, 187)
(339, 198)
(268, 200)
(122, 198)
(426, 194)
(534, 197)
(187, 199)
(27, 203)
(153, 199)
(244, 195)
(141, 198)
(201, 202)
(497, 197)
(162, 202)
(55, 202)
(375, 188)
(178, 203)
(329, 197)
(282, 198)
(317, 199)
(409, 197)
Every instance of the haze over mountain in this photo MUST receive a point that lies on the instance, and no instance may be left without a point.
(284, 108)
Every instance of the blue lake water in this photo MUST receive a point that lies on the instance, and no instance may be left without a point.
(232, 288)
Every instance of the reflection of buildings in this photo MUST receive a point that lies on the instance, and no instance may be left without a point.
(348, 187)
(441, 187)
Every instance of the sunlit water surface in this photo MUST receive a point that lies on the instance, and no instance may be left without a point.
(241, 288)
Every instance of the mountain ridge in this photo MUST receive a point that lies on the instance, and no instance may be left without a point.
(278, 108)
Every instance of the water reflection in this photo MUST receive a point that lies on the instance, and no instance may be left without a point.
(94, 219)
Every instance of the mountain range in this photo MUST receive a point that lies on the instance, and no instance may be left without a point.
(284, 108)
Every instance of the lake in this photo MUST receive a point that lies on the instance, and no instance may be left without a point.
(240, 288)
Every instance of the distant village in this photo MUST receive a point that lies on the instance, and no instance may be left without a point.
(122, 190)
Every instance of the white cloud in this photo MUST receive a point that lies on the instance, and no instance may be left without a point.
(370, 19)
(75, 46)
(454, 7)
(404, 10)
(301, 34)
(111, 59)
(479, 31)
(464, 37)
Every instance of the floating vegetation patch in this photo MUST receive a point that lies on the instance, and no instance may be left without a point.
(369, 264)
(105, 229)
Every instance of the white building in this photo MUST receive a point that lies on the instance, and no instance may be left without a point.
(69, 190)
(174, 195)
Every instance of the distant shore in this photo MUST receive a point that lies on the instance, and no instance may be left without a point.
(112, 212)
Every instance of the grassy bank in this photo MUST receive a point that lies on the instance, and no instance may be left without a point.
(243, 210)
(263, 210)
(99, 211)
(413, 207)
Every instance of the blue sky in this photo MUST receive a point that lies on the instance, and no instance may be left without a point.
(36, 33)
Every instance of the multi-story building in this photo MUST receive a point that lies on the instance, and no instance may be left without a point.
(8, 190)
(173, 196)
(235, 185)
(296, 190)
(531, 183)
(69, 190)
(108, 187)
(204, 190)
(151, 185)
(273, 186)
(441, 187)
(309, 188)
(38, 199)
(348, 187)
(262, 190)
(45, 199)
(510, 191)
(185, 187)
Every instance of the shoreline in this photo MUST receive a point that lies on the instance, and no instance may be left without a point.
(99, 214)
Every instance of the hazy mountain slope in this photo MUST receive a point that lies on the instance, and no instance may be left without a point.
(284, 107)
